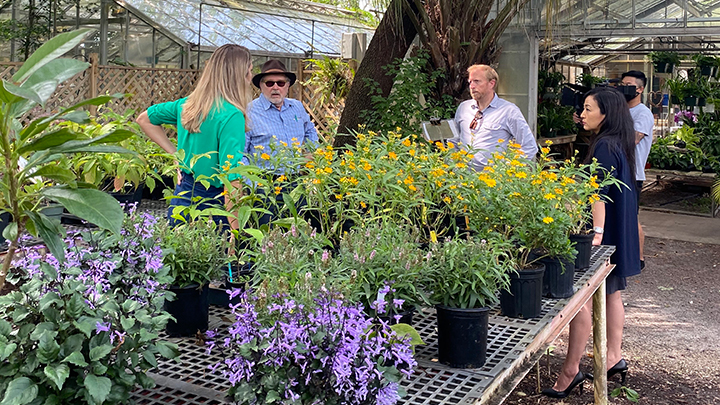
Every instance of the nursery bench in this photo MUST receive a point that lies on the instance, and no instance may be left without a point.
(694, 178)
(514, 347)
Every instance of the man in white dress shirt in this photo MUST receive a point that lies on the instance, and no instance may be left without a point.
(486, 119)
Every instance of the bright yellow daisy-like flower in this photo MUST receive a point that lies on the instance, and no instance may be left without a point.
(545, 150)
(328, 170)
(549, 196)
(278, 190)
(548, 220)
(260, 147)
(412, 188)
(392, 155)
(447, 199)
(265, 156)
(501, 140)
(521, 175)
(282, 178)
(407, 143)
(450, 145)
(514, 145)
(515, 194)
(362, 204)
(412, 152)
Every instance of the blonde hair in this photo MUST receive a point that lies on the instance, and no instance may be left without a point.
(224, 77)
(490, 73)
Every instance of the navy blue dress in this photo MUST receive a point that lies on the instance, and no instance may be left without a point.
(621, 221)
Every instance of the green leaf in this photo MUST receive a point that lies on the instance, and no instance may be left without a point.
(150, 358)
(27, 94)
(6, 96)
(76, 358)
(403, 330)
(48, 349)
(5, 327)
(6, 349)
(55, 72)
(50, 232)
(91, 205)
(75, 306)
(57, 374)
(43, 327)
(98, 387)
(272, 396)
(11, 231)
(97, 353)
(130, 305)
(20, 391)
(56, 47)
(127, 323)
(167, 350)
(86, 324)
(49, 140)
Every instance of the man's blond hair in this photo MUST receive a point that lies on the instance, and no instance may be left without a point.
(490, 73)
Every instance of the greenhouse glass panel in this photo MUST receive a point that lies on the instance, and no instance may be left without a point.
(258, 27)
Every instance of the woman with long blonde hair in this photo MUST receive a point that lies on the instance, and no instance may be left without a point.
(211, 120)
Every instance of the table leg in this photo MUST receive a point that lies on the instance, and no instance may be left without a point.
(600, 346)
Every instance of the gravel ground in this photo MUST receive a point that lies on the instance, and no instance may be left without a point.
(672, 332)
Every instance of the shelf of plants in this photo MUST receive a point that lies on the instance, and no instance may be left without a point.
(188, 379)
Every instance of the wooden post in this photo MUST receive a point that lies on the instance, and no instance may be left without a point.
(600, 345)
(300, 78)
(94, 77)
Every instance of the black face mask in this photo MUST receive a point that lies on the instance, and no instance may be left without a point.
(629, 92)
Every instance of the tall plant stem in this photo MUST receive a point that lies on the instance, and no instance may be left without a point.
(10, 176)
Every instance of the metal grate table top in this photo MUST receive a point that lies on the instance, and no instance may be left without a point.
(188, 380)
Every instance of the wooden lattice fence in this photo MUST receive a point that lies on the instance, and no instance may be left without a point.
(148, 86)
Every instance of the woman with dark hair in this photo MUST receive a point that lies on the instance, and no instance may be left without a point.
(615, 221)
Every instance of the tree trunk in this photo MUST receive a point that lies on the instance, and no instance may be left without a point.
(388, 44)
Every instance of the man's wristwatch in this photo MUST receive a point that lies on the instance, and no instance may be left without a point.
(599, 229)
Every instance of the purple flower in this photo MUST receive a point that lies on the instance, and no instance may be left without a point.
(102, 327)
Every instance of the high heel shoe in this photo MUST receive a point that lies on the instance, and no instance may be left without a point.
(621, 367)
(578, 380)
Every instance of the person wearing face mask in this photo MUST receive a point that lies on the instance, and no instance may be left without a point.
(643, 121)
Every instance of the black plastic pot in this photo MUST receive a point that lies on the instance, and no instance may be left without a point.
(583, 245)
(701, 102)
(675, 100)
(707, 70)
(190, 309)
(462, 336)
(524, 298)
(5, 219)
(558, 278)
(220, 297)
(664, 67)
(133, 196)
(690, 101)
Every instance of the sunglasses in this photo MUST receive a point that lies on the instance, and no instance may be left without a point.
(270, 83)
(476, 121)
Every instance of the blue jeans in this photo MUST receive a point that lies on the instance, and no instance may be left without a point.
(197, 191)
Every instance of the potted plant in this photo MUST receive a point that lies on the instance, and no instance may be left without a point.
(195, 251)
(706, 65)
(283, 348)
(664, 61)
(85, 330)
(386, 265)
(463, 279)
(676, 87)
(38, 147)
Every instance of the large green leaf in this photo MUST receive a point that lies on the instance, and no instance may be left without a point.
(57, 373)
(5, 96)
(50, 231)
(76, 358)
(56, 173)
(50, 50)
(97, 353)
(98, 387)
(6, 349)
(49, 140)
(57, 71)
(20, 391)
(27, 94)
(91, 205)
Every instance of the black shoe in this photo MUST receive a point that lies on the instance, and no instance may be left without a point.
(621, 367)
(642, 264)
(579, 378)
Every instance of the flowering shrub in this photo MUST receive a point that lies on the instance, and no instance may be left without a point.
(682, 116)
(86, 330)
(387, 266)
(324, 352)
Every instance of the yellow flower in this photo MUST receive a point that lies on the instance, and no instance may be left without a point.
(230, 156)
(328, 170)
(461, 165)
(545, 150)
(594, 198)
(521, 175)
(225, 192)
(362, 204)
(548, 142)
(339, 196)
(282, 178)
(501, 140)
(514, 145)
(549, 196)
(259, 147)
(515, 194)
(450, 145)
(559, 191)
(548, 220)
(413, 188)
(412, 152)
(349, 153)
(440, 146)
(392, 155)
(265, 156)
(407, 143)
(278, 190)
(447, 199)
(310, 165)
(408, 180)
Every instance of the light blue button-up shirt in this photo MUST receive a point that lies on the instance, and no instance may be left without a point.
(269, 125)
(501, 120)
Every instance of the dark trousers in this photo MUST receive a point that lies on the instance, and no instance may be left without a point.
(194, 193)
